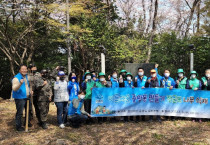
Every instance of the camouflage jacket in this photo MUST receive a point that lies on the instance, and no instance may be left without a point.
(43, 92)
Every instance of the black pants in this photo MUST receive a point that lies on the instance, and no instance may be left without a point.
(20, 105)
(87, 105)
(78, 119)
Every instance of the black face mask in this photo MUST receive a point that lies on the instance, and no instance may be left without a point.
(44, 75)
(34, 71)
(61, 78)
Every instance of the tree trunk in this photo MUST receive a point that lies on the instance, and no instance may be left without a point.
(191, 15)
(152, 33)
(198, 16)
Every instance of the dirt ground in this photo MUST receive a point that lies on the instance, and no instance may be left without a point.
(117, 133)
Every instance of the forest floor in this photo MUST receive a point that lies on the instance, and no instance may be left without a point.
(108, 133)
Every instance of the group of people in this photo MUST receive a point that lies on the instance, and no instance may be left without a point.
(73, 99)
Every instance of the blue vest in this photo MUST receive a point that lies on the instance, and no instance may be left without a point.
(73, 89)
(127, 85)
(21, 93)
(141, 83)
(167, 83)
(73, 110)
(115, 83)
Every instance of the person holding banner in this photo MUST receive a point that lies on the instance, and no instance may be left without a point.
(87, 85)
(77, 114)
(21, 92)
(154, 82)
(61, 99)
(101, 84)
(128, 83)
(114, 80)
(194, 84)
(181, 80)
(140, 81)
(206, 80)
(122, 78)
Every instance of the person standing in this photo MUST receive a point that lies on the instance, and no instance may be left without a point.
(43, 92)
(194, 84)
(140, 81)
(87, 85)
(61, 99)
(114, 80)
(21, 92)
(154, 82)
(206, 80)
(181, 80)
(101, 84)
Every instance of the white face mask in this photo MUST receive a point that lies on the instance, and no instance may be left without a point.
(128, 78)
(207, 75)
(140, 73)
(180, 75)
(193, 76)
(102, 79)
(88, 77)
(153, 75)
(114, 76)
(167, 74)
(82, 96)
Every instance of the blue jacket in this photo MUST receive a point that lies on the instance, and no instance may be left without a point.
(167, 83)
(127, 85)
(73, 89)
(141, 82)
(115, 83)
(72, 110)
(21, 93)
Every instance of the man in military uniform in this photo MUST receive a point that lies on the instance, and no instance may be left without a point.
(43, 93)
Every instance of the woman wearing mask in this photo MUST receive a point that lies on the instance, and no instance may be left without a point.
(114, 80)
(194, 84)
(73, 86)
(101, 84)
(181, 80)
(61, 99)
(87, 85)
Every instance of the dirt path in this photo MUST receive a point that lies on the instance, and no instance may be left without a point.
(169, 132)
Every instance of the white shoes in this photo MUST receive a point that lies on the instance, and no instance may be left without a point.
(62, 126)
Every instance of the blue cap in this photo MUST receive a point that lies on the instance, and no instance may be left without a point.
(61, 73)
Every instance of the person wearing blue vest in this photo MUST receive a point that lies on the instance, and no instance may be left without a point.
(77, 115)
(154, 82)
(140, 81)
(128, 83)
(114, 80)
(73, 86)
(21, 92)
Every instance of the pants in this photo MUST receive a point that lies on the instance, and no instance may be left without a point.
(61, 112)
(77, 119)
(151, 118)
(43, 109)
(87, 105)
(35, 102)
(20, 105)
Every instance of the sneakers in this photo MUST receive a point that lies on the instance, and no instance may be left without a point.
(62, 126)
